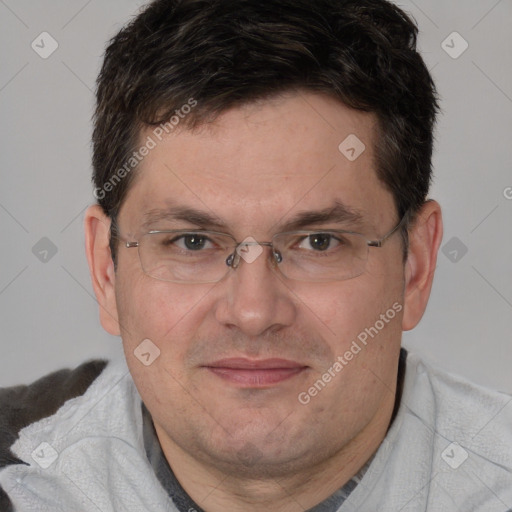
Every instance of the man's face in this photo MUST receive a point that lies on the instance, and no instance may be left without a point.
(254, 169)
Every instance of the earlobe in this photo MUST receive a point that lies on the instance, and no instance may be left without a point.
(101, 266)
(425, 237)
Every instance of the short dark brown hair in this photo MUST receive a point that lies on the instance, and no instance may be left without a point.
(226, 53)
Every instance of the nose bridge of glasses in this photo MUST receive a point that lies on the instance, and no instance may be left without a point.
(241, 252)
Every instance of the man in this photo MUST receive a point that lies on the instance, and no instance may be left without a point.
(262, 238)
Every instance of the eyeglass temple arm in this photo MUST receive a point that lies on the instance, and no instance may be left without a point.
(380, 242)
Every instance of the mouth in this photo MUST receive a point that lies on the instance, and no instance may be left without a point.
(252, 373)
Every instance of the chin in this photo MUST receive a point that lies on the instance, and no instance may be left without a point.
(272, 452)
(255, 462)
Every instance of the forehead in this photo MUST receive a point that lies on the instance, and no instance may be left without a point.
(258, 164)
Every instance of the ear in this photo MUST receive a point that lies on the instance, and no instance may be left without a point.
(425, 237)
(101, 266)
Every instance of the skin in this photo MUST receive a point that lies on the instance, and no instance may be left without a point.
(235, 448)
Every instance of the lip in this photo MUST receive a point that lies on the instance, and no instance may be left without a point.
(255, 373)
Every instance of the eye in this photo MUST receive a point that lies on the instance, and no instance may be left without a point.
(190, 242)
(320, 242)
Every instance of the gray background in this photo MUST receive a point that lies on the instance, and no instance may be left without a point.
(48, 314)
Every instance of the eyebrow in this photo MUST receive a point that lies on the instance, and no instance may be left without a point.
(338, 213)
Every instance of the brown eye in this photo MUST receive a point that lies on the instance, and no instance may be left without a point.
(190, 241)
(319, 242)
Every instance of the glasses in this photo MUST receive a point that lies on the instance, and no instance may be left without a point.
(197, 256)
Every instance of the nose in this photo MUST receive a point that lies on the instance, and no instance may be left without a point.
(254, 298)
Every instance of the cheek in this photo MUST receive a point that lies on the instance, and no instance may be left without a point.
(363, 320)
(341, 311)
(165, 313)
(159, 322)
